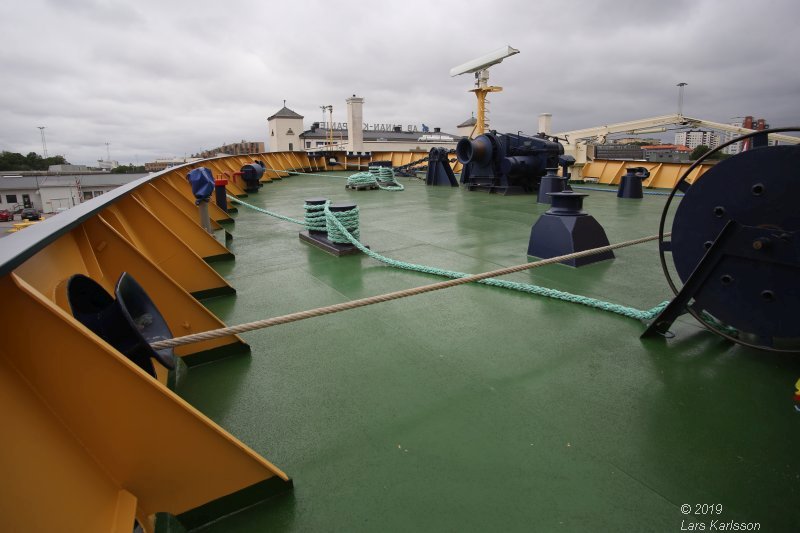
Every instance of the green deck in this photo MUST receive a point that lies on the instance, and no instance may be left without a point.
(481, 409)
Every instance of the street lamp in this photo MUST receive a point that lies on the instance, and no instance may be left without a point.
(680, 87)
(44, 144)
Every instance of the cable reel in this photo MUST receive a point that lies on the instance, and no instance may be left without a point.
(735, 245)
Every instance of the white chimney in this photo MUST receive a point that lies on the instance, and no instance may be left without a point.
(355, 121)
(545, 123)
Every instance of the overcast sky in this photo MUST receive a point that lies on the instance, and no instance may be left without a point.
(167, 78)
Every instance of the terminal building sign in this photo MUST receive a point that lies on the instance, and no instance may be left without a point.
(374, 127)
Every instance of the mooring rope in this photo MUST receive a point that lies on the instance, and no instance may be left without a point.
(342, 226)
(343, 235)
(315, 219)
(382, 177)
(371, 300)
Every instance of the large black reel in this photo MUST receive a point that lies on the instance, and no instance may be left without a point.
(735, 246)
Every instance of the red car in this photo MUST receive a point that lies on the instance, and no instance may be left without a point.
(5, 215)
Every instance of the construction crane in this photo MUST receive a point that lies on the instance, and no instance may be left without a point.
(480, 67)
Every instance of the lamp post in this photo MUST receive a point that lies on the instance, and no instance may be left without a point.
(680, 86)
(44, 144)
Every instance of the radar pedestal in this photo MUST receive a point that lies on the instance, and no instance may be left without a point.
(565, 228)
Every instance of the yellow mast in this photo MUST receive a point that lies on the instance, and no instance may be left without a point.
(480, 93)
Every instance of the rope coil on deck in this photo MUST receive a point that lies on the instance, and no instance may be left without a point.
(342, 226)
(383, 177)
(315, 218)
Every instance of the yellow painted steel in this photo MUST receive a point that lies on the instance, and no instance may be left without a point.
(154, 238)
(178, 181)
(662, 175)
(91, 441)
(97, 250)
(181, 200)
(481, 93)
(182, 223)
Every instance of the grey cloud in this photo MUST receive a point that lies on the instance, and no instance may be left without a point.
(159, 79)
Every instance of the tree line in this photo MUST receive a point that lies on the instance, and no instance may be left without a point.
(32, 161)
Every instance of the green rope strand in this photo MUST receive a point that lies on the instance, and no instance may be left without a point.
(343, 227)
(383, 177)
(315, 217)
(265, 211)
(623, 310)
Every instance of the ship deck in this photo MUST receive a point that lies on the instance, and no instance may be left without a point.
(477, 408)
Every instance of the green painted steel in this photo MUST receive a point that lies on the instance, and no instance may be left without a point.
(343, 227)
(482, 409)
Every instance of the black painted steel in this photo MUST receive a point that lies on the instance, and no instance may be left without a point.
(630, 185)
(565, 228)
(736, 248)
(550, 182)
(439, 170)
(506, 162)
(251, 174)
(129, 323)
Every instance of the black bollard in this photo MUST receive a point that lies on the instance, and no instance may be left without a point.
(630, 185)
(551, 182)
(565, 228)
(320, 238)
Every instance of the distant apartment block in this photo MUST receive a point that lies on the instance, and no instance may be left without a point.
(695, 138)
(240, 148)
(160, 164)
(735, 148)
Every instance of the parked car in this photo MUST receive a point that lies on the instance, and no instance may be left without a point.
(5, 215)
(30, 213)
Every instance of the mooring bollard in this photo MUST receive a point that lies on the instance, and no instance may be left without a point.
(565, 228)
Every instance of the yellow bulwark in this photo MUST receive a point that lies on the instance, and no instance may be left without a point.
(662, 175)
(91, 441)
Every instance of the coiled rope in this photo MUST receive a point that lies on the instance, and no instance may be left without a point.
(315, 219)
(342, 226)
(383, 177)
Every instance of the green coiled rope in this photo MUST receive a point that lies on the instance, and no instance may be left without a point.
(342, 226)
(383, 177)
(341, 231)
(315, 218)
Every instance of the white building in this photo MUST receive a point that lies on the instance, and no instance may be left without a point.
(695, 138)
(51, 193)
(107, 165)
(285, 128)
(467, 128)
(287, 133)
